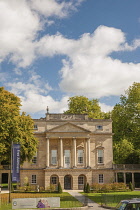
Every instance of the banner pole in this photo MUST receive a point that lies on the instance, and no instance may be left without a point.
(10, 175)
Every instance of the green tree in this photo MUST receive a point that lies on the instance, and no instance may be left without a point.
(122, 151)
(126, 117)
(82, 105)
(15, 128)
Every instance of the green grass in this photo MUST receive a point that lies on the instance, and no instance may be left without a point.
(113, 198)
(66, 200)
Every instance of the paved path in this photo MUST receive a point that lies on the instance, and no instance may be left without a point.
(83, 199)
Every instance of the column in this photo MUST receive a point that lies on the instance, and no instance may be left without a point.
(61, 153)
(88, 151)
(133, 180)
(124, 178)
(116, 174)
(74, 153)
(86, 154)
(48, 153)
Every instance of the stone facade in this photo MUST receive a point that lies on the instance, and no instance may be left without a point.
(72, 150)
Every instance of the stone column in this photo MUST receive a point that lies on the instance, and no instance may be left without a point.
(133, 180)
(61, 153)
(86, 154)
(48, 153)
(88, 151)
(124, 178)
(74, 153)
(116, 174)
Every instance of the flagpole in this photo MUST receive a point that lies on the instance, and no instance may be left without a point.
(10, 175)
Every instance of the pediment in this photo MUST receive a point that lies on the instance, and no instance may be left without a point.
(68, 128)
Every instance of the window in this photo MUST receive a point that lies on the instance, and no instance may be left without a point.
(34, 160)
(33, 179)
(81, 180)
(99, 127)
(54, 180)
(100, 156)
(35, 127)
(66, 158)
(101, 178)
(80, 156)
(54, 157)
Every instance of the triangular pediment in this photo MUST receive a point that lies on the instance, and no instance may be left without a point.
(69, 128)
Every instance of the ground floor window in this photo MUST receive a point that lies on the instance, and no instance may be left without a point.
(101, 178)
(34, 179)
(54, 180)
(81, 180)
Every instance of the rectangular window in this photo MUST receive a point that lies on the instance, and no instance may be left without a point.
(100, 156)
(54, 180)
(35, 127)
(81, 180)
(66, 158)
(80, 156)
(101, 178)
(99, 127)
(34, 160)
(54, 157)
(34, 179)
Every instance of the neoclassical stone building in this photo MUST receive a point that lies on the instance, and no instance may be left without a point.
(72, 150)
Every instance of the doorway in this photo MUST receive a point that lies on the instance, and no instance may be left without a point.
(67, 182)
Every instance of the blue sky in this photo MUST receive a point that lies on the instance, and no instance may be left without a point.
(51, 50)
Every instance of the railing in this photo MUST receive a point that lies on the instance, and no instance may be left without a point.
(126, 166)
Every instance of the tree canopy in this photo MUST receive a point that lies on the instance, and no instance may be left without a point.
(126, 121)
(15, 127)
(82, 105)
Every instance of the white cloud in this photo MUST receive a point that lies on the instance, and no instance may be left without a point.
(20, 22)
(105, 108)
(50, 8)
(89, 68)
(33, 99)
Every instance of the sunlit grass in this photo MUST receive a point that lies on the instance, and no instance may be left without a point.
(113, 198)
(66, 200)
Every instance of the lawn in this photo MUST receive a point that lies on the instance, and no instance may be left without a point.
(66, 200)
(113, 198)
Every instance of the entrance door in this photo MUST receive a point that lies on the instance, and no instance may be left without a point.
(67, 182)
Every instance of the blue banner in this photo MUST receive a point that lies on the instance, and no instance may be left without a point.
(16, 163)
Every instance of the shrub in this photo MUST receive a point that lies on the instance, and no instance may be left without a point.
(106, 187)
(59, 188)
(131, 186)
(50, 188)
(85, 188)
(41, 189)
(96, 187)
(88, 188)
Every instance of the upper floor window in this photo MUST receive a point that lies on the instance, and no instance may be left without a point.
(34, 181)
(35, 127)
(100, 154)
(101, 178)
(99, 127)
(80, 156)
(66, 158)
(34, 159)
(54, 157)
